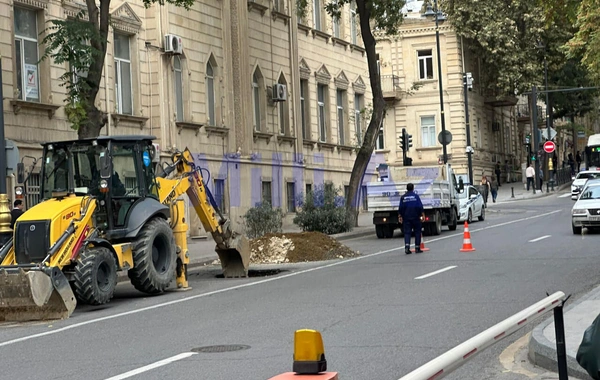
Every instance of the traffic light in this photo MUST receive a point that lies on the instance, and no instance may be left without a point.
(403, 140)
(408, 142)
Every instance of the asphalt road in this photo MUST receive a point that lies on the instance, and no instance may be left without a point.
(381, 316)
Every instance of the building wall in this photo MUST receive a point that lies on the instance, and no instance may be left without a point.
(419, 110)
(236, 39)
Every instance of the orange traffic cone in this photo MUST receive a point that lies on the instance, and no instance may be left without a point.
(422, 246)
(467, 246)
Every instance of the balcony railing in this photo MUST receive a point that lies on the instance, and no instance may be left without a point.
(390, 85)
(523, 112)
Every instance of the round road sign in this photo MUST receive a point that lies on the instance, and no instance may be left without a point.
(549, 147)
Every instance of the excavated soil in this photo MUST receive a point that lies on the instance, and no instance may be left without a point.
(297, 247)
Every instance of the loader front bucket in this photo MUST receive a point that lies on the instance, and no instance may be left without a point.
(235, 261)
(35, 295)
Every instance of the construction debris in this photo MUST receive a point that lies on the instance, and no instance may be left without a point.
(297, 247)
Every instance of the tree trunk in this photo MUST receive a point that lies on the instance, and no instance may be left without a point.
(366, 150)
(96, 120)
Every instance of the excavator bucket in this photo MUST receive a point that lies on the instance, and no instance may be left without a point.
(235, 261)
(35, 295)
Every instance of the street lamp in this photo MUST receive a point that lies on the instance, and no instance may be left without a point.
(439, 17)
(541, 46)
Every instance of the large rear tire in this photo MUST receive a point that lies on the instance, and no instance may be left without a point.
(95, 276)
(154, 258)
(453, 220)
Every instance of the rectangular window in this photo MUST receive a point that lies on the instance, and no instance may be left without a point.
(26, 54)
(346, 191)
(256, 102)
(336, 27)
(317, 14)
(380, 139)
(291, 196)
(178, 88)
(266, 192)
(219, 194)
(340, 95)
(308, 189)
(210, 93)
(321, 94)
(303, 108)
(123, 84)
(353, 29)
(283, 116)
(425, 64)
(427, 131)
(358, 117)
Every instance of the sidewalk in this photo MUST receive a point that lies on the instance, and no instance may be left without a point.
(578, 316)
(505, 192)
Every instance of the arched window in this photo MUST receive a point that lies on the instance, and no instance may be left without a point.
(210, 94)
(178, 88)
(256, 103)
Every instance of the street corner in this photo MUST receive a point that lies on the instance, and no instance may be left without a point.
(578, 315)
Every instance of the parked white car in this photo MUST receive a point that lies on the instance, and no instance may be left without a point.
(586, 211)
(471, 205)
(580, 180)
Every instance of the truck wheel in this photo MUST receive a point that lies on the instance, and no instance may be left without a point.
(436, 228)
(453, 220)
(154, 258)
(379, 231)
(388, 231)
(95, 276)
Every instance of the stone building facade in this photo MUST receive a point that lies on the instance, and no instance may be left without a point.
(411, 58)
(270, 104)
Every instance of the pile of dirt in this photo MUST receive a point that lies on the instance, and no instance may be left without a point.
(297, 247)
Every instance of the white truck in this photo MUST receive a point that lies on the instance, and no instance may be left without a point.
(436, 186)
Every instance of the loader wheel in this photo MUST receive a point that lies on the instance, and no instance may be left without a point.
(154, 258)
(95, 276)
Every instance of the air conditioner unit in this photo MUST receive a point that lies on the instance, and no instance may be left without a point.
(279, 92)
(173, 44)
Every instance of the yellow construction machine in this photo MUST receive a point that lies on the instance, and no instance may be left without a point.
(104, 210)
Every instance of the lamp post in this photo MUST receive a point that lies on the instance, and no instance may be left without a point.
(439, 17)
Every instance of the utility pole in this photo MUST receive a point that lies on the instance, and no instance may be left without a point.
(439, 61)
(467, 85)
(536, 138)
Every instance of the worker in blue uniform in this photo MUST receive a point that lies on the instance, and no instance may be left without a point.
(411, 215)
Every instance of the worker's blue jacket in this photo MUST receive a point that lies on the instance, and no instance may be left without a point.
(411, 207)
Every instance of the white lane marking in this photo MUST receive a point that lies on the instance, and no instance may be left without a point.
(241, 286)
(564, 195)
(436, 272)
(540, 238)
(148, 367)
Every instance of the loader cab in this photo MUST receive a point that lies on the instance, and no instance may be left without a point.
(116, 170)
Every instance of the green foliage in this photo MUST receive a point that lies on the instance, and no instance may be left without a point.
(575, 103)
(503, 35)
(323, 211)
(69, 41)
(301, 9)
(263, 219)
(385, 15)
(586, 41)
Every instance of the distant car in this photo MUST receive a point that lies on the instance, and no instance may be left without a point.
(471, 205)
(580, 181)
(586, 211)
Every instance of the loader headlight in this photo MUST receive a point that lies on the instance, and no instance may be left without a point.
(103, 184)
(19, 190)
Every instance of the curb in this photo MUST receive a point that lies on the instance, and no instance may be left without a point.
(352, 234)
(542, 352)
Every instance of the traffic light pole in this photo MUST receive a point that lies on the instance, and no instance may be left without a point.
(536, 140)
(468, 126)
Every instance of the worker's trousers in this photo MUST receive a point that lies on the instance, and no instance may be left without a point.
(409, 226)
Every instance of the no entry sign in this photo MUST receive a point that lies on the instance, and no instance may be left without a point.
(549, 147)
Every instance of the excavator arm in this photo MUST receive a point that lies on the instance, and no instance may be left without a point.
(232, 247)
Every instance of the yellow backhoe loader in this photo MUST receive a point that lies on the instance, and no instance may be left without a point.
(103, 210)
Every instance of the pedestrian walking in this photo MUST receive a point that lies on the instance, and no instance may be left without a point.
(498, 173)
(508, 170)
(530, 174)
(571, 164)
(494, 189)
(411, 215)
(541, 174)
(578, 160)
(486, 188)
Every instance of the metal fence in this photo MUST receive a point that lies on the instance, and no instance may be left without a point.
(456, 357)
